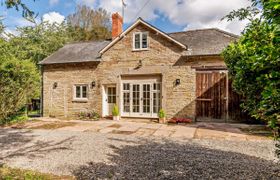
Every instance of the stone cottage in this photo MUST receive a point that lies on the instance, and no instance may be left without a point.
(141, 70)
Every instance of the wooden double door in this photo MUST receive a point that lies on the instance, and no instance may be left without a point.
(212, 95)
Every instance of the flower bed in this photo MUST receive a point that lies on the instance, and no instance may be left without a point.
(180, 120)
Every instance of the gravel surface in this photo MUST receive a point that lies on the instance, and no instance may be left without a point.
(89, 155)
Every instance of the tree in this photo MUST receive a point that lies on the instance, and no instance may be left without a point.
(18, 4)
(19, 77)
(254, 60)
(89, 24)
(37, 42)
(18, 82)
(1, 26)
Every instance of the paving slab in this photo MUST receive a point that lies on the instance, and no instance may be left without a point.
(144, 132)
(236, 136)
(94, 128)
(152, 126)
(107, 130)
(129, 128)
(210, 134)
(77, 128)
(168, 127)
(184, 132)
(162, 133)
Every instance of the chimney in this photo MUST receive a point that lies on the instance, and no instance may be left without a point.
(117, 23)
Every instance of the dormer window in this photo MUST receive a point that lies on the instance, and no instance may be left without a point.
(140, 41)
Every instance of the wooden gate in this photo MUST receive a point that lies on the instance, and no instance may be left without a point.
(216, 99)
(212, 95)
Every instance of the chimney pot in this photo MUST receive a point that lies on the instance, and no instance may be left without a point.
(117, 23)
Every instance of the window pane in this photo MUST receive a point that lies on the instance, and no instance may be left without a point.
(126, 86)
(137, 41)
(126, 102)
(84, 91)
(78, 91)
(144, 41)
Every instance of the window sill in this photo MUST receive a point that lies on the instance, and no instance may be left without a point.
(80, 100)
(135, 50)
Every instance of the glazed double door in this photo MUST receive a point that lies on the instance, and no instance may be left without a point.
(141, 99)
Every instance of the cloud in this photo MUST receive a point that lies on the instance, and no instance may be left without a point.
(21, 22)
(90, 3)
(53, 2)
(192, 14)
(53, 17)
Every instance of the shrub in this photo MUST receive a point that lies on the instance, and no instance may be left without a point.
(19, 81)
(115, 111)
(89, 116)
(161, 113)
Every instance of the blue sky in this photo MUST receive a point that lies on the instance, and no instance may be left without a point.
(167, 15)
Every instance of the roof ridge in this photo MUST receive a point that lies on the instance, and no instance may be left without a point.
(202, 29)
(84, 42)
(205, 29)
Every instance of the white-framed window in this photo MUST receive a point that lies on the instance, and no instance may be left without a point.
(80, 92)
(140, 41)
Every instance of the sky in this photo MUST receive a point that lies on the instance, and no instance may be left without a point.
(167, 15)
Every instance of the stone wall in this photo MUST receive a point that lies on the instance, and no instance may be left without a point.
(59, 101)
(162, 58)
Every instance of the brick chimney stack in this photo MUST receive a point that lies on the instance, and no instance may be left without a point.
(117, 23)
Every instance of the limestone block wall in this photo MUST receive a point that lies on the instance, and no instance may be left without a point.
(163, 58)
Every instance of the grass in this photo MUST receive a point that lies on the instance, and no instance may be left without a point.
(7, 173)
(15, 119)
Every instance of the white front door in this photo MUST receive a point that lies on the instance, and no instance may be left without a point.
(111, 98)
(141, 99)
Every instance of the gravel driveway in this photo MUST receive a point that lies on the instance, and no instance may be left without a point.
(89, 155)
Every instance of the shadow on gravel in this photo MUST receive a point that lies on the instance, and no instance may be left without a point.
(14, 143)
(10, 138)
(169, 160)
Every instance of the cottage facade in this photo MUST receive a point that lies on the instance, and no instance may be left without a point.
(141, 70)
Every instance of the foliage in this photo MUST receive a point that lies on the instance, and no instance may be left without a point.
(89, 24)
(161, 113)
(14, 173)
(115, 110)
(18, 4)
(17, 117)
(89, 115)
(1, 26)
(254, 61)
(37, 42)
(18, 82)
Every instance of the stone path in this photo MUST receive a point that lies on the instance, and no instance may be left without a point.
(146, 129)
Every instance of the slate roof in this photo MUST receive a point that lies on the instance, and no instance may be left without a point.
(199, 42)
(77, 52)
(205, 41)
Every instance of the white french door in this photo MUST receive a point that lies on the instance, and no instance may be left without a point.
(141, 99)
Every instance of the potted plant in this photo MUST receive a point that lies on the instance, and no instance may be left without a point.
(161, 115)
(115, 113)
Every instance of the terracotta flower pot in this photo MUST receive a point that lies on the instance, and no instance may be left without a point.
(162, 120)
